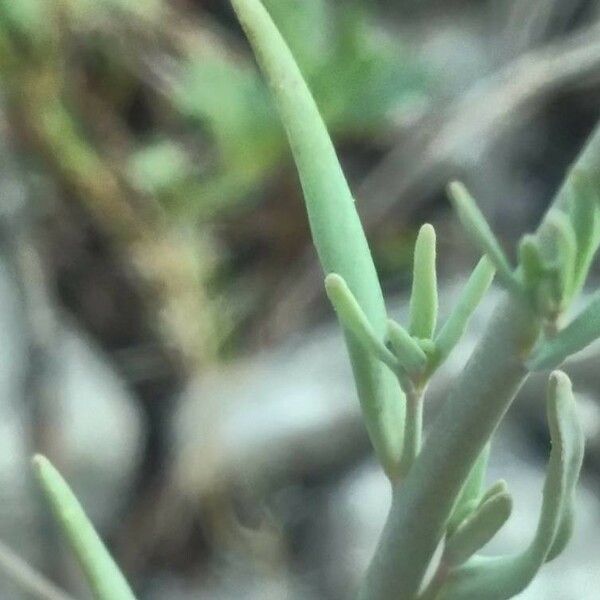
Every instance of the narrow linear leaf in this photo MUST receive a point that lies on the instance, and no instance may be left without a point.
(541, 276)
(408, 352)
(337, 232)
(531, 261)
(103, 575)
(501, 578)
(584, 212)
(573, 459)
(424, 296)
(581, 332)
(354, 319)
(480, 232)
(566, 250)
(456, 324)
(475, 405)
(478, 529)
(336, 228)
(470, 494)
(499, 487)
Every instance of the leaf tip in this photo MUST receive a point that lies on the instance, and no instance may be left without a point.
(456, 189)
(560, 381)
(333, 282)
(427, 231)
(40, 464)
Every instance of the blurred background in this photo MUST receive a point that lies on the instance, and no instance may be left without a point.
(165, 337)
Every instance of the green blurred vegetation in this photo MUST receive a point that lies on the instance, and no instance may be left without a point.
(152, 118)
(361, 80)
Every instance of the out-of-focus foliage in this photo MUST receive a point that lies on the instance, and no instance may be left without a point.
(360, 77)
(204, 137)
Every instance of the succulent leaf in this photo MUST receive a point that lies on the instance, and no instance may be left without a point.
(424, 296)
(456, 324)
(354, 319)
(336, 228)
(408, 352)
(585, 219)
(566, 253)
(501, 578)
(480, 232)
(581, 332)
(103, 575)
(478, 528)
(470, 495)
(497, 488)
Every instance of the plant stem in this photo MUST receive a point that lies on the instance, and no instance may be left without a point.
(475, 406)
(422, 504)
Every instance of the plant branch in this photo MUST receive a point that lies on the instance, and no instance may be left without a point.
(477, 402)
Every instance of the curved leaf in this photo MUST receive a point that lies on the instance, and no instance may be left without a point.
(501, 578)
(480, 232)
(478, 529)
(583, 209)
(105, 579)
(470, 495)
(470, 297)
(424, 296)
(410, 355)
(336, 229)
(353, 318)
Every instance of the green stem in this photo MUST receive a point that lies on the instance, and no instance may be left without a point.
(474, 408)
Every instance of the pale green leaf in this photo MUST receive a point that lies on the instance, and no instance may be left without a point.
(566, 252)
(581, 332)
(470, 494)
(531, 261)
(424, 296)
(353, 319)
(336, 229)
(501, 578)
(480, 232)
(500, 487)
(456, 324)
(478, 528)
(407, 350)
(585, 217)
(103, 575)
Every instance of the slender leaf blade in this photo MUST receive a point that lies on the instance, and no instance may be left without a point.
(354, 319)
(456, 324)
(566, 252)
(470, 494)
(336, 229)
(102, 573)
(408, 352)
(479, 231)
(581, 332)
(478, 528)
(424, 296)
(585, 218)
(501, 578)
